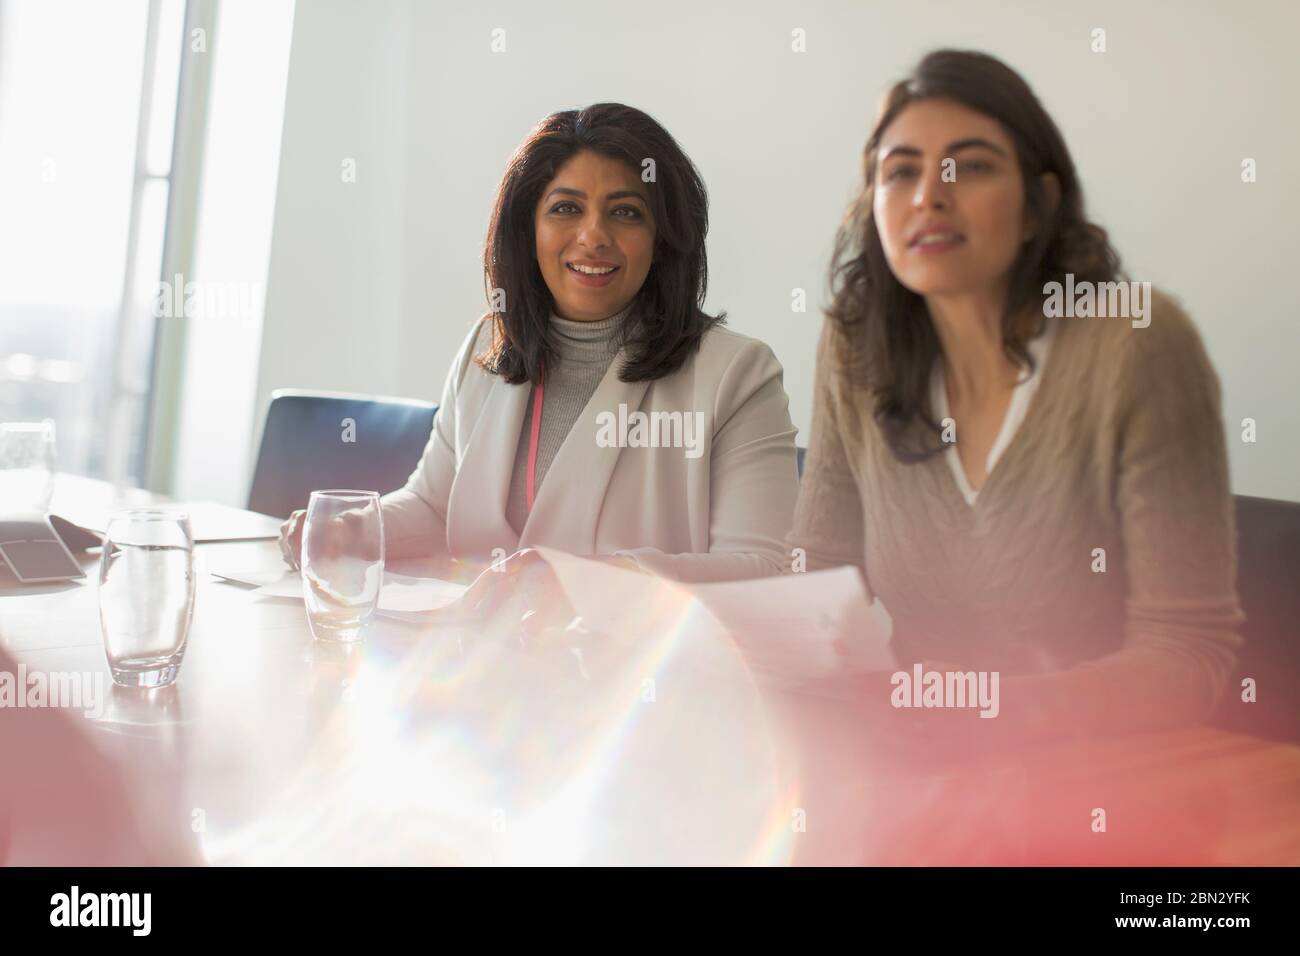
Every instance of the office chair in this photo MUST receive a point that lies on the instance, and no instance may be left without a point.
(303, 447)
(1268, 586)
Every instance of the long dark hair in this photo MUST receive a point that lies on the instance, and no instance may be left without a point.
(666, 321)
(887, 340)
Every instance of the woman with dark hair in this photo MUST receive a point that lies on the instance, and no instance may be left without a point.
(1036, 492)
(597, 408)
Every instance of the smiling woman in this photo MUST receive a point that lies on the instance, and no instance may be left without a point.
(596, 272)
(595, 237)
(588, 190)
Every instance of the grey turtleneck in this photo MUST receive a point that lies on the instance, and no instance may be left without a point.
(585, 351)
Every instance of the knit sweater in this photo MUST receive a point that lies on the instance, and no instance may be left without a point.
(584, 351)
(1123, 450)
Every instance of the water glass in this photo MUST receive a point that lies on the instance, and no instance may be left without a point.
(26, 465)
(342, 562)
(146, 595)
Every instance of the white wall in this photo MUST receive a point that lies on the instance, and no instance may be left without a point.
(373, 283)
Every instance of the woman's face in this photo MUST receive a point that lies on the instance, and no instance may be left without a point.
(595, 236)
(949, 227)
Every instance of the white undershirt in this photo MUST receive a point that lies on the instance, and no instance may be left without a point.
(1017, 409)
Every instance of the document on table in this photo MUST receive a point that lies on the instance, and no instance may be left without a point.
(399, 596)
(816, 622)
(84, 506)
(797, 627)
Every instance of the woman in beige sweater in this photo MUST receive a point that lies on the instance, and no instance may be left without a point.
(1023, 454)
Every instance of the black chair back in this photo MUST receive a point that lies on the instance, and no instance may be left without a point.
(1268, 585)
(305, 446)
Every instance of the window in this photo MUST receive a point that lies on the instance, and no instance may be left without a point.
(88, 96)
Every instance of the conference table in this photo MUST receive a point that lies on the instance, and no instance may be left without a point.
(432, 743)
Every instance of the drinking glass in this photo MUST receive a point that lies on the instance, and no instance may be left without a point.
(146, 595)
(342, 562)
(26, 465)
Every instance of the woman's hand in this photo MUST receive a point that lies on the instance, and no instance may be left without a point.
(291, 538)
(340, 530)
(522, 589)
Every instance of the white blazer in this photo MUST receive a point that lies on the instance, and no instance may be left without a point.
(718, 511)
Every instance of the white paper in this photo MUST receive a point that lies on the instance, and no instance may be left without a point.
(404, 593)
(89, 504)
(260, 578)
(795, 627)
(400, 592)
(810, 624)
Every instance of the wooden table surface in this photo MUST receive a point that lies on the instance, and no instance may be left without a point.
(440, 745)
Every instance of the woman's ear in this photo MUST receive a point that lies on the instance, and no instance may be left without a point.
(1051, 200)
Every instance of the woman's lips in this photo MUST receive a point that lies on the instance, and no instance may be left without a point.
(934, 244)
(587, 279)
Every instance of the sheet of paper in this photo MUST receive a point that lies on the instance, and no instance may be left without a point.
(88, 504)
(802, 625)
(400, 593)
(406, 594)
(267, 578)
(212, 521)
(796, 628)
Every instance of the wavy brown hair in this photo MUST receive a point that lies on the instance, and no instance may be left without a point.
(887, 341)
(667, 320)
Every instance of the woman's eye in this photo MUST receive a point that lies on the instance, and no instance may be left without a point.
(562, 207)
(631, 212)
(899, 173)
(974, 166)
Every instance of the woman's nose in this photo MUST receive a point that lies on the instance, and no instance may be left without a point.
(592, 232)
(932, 191)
